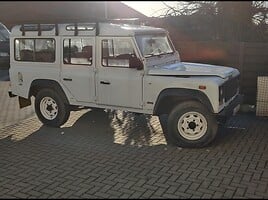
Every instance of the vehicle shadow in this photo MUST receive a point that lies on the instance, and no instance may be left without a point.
(107, 127)
(97, 126)
(136, 129)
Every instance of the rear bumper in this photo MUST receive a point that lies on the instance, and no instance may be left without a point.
(232, 108)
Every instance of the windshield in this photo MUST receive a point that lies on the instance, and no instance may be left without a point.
(154, 45)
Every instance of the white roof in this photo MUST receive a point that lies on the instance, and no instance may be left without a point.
(85, 29)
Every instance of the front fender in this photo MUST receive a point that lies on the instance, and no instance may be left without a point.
(170, 97)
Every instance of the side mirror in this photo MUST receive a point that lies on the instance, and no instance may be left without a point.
(136, 63)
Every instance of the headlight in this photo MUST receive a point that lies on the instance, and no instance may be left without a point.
(221, 95)
(221, 92)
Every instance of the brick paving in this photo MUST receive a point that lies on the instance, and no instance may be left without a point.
(10, 111)
(121, 155)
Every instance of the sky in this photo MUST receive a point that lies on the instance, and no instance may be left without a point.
(150, 8)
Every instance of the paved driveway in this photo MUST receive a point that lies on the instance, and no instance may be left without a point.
(120, 155)
(10, 113)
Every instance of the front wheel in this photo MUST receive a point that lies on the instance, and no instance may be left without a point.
(50, 108)
(190, 124)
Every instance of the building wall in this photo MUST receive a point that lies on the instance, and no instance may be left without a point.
(12, 13)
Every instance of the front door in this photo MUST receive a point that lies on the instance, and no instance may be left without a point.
(78, 68)
(117, 83)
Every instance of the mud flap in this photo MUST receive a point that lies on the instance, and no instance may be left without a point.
(24, 102)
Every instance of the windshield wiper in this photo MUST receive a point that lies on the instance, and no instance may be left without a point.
(165, 53)
(159, 54)
(149, 55)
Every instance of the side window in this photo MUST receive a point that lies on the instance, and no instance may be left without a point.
(44, 50)
(77, 51)
(117, 52)
(35, 50)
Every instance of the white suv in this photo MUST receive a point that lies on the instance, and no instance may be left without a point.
(119, 66)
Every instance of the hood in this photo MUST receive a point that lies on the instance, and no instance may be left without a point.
(192, 69)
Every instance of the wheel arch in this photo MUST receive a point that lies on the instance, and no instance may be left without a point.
(170, 97)
(39, 84)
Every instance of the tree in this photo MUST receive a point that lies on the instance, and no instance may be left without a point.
(220, 20)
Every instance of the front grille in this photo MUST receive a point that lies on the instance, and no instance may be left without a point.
(230, 88)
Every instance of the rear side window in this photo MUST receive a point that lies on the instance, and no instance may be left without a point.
(77, 51)
(35, 50)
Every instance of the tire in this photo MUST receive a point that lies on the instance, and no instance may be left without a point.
(50, 108)
(190, 125)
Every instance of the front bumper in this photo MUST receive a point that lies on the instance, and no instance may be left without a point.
(232, 108)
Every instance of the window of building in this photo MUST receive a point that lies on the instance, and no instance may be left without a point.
(35, 50)
(4, 33)
(77, 51)
(117, 52)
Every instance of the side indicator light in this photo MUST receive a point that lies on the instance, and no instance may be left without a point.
(202, 87)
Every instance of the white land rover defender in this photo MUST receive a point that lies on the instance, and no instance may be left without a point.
(118, 66)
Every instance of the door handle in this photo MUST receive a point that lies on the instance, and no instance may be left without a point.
(105, 82)
(67, 79)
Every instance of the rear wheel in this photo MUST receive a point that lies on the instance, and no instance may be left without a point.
(50, 108)
(190, 124)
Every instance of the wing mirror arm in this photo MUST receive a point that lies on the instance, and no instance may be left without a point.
(136, 63)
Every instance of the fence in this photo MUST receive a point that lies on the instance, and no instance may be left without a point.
(251, 59)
